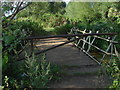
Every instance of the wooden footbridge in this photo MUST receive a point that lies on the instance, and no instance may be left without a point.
(84, 41)
(76, 54)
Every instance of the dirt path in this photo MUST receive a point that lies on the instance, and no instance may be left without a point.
(80, 71)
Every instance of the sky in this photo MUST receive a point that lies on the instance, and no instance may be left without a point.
(66, 1)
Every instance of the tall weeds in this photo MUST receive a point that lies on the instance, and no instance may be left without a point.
(37, 73)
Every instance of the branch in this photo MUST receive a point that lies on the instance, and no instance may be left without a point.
(19, 8)
(16, 11)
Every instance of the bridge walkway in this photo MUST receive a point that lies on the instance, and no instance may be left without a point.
(79, 71)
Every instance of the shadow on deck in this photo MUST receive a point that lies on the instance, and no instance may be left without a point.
(81, 71)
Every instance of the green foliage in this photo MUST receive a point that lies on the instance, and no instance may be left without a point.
(104, 17)
(9, 83)
(81, 11)
(6, 82)
(90, 11)
(52, 20)
(38, 9)
(12, 41)
(37, 74)
(5, 61)
(31, 26)
(113, 69)
(47, 14)
(56, 72)
(95, 16)
(12, 38)
(57, 7)
(32, 73)
(63, 29)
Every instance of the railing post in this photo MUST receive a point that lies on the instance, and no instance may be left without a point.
(111, 51)
(91, 43)
(116, 52)
(32, 46)
(108, 47)
(84, 39)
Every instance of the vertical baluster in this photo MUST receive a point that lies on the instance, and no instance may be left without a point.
(85, 40)
(111, 52)
(116, 52)
(108, 47)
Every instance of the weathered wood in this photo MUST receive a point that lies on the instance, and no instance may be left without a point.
(91, 43)
(70, 35)
(97, 37)
(116, 52)
(98, 48)
(77, 30)
(42, 51)
(32, 46)
(106, 39)
(85, 39)
(88, 54)
(108, 48)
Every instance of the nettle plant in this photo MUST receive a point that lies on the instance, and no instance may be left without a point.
(37, 72)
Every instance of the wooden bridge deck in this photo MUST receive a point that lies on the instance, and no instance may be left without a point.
(64, 55)
(81, 71)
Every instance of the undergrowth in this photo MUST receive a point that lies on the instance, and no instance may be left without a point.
(35, 73)
(113, 70)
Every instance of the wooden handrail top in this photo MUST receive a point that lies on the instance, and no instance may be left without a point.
(70, 35)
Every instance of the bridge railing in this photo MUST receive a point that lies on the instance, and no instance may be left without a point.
(89, 40)
(74, 36)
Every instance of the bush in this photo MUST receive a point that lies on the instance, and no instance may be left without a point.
(31, 26)
(56, 72)
(113, 70)
(37, 74)
(52, 20)
(63, 29)
(33, 73)
(13, 39)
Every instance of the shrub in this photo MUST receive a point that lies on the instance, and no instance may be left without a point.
(56, 72)
(31, 74)
(63, 29)
(114, 71)
(31, 26)
(37, 74)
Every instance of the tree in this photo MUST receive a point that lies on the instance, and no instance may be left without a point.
(38, 9)
(11, 9)
(80, 11)
(90, 10)
(57, 7)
